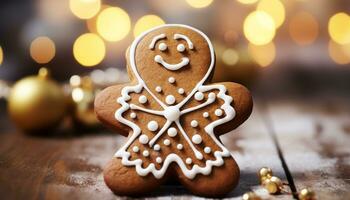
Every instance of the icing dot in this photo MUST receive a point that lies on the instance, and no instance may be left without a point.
(132, 115)
(170, 99)
(194, 123)
(143, 99)
(152, 125)
(212, 95)
(156, 147)
(172, 132)
(180, 48)
(143, 139)
(162, 46)
(207, 150)
(159, 160)
(145, 153)
(218, 112)
(197, 139)
(135, 149)
(179, 146)
(199, 96)
(158, 89)
(166, 142)
(171, 80)
(188, 161)
(181, 91)
(206, 114)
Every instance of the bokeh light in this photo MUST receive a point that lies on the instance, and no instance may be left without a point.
(199, 3)
(275, 9)
(247, 1)
(303, 28)
(146, 22)
(230, 57)
(259, 28)
(42, 49)
(77, 94)
(89, 49)
(85, 9)
(264, 55)
(113, 24)
(1, 55)
(338, 53)
(339, 28)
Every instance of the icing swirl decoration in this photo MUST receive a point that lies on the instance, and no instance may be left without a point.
(162, 135)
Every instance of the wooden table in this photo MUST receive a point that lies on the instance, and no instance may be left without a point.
(305, 141)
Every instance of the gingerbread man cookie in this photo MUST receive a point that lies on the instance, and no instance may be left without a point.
(173, 116)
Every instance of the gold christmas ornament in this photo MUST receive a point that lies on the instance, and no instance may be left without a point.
(36, 103)
(307, 194)
(273, 185)
(265, 173)
(250, 196)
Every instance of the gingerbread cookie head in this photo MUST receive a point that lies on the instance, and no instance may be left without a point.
(172, 115)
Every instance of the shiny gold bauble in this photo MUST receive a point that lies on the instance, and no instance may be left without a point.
(273, 185)
(307, 194)
(36, 103)
(265, 173)
(250, 196)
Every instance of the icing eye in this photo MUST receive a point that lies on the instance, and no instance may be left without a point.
(162, 46)
(180, 48)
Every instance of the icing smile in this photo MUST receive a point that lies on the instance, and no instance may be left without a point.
(184, 62)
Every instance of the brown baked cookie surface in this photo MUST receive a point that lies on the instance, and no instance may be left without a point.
(172, 116)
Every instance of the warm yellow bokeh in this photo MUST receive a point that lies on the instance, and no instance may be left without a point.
(84, 9)
(264, 55)
(275, 9)
(42, 49)
(199, 3)
(89, 49)
(303, 28)
(113, 24)
(339, 28)
(338, 53)
(230, 57)
(247, 1)
(259, 28)
(1, 55)
(147, 22)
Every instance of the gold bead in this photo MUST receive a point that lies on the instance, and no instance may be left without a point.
(43, 73)
(273, 185)
(250, 196)
(307, 194)
(265, 173)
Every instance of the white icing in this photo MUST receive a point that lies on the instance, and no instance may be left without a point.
(199, 96)
(194, 123)
(159, 160)
(172, 132)
(170, 99)
(206, 114)
(155, 39)
(135, 149)
(188, 161)
(162, 46)
(156, 147)
(207, 150)
(184, 61)
(197, 139)
(145, 153)
(180, 36)
(180, 48)
(143, 139)
(152, 126)
(181, 91)
(171, 79)
(132, 115)
(179, 146)
(166, 142)
(158, 89)
(218, 112)
(142, 99)
(173, 116)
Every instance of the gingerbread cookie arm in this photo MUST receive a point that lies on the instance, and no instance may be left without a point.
(106, 105)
